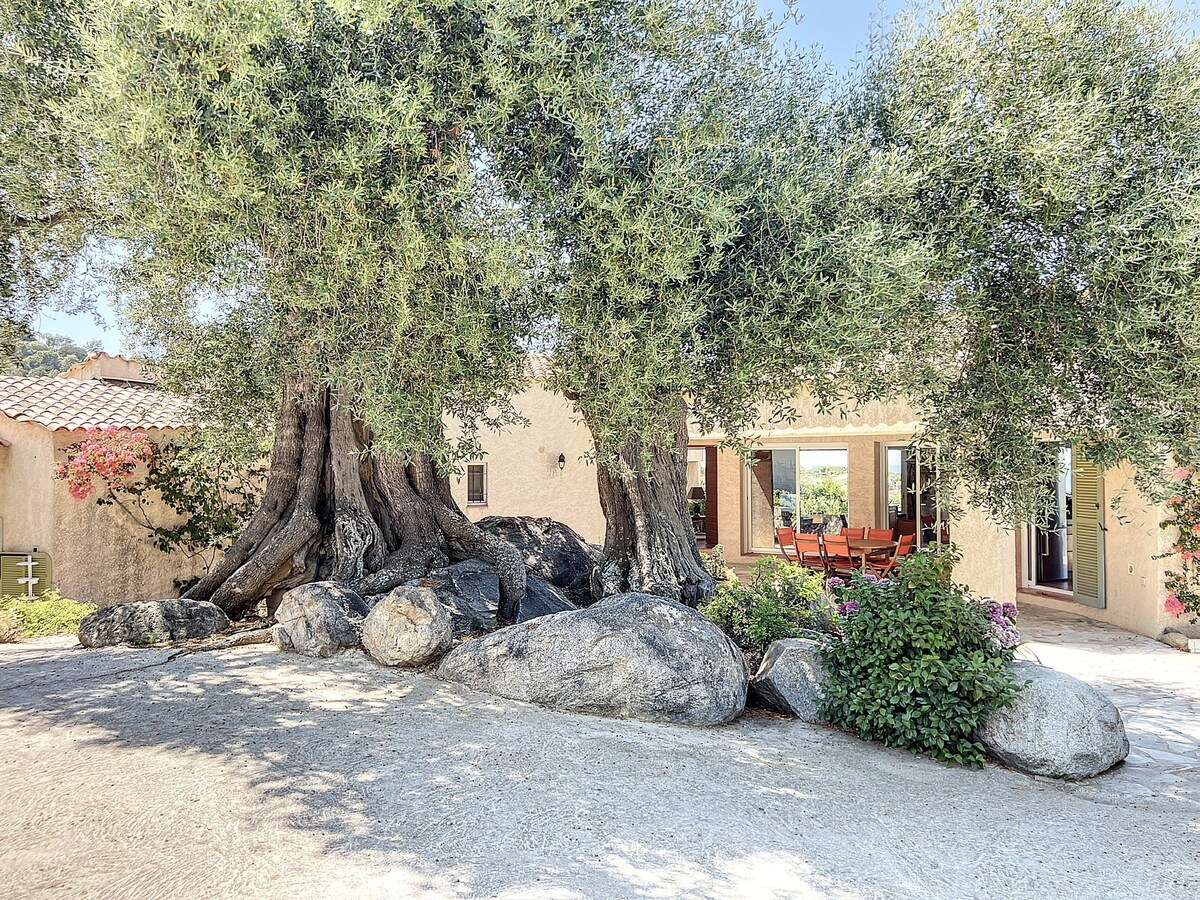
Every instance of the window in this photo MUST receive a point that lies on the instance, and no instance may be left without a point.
(477, 484)
(795, 487)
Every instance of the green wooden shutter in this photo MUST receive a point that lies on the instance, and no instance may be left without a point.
(1087, 507)
(10, 571)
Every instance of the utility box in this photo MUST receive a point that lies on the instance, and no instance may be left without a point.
(16, 566)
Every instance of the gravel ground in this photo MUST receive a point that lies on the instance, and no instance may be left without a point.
(250, 773)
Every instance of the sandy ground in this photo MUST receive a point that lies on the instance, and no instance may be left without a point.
(249, 773)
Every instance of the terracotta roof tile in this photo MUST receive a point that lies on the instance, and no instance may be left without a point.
(61, 404)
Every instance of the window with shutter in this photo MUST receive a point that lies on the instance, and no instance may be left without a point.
(477, 484)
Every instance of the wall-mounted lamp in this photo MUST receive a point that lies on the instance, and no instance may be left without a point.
(562, 461)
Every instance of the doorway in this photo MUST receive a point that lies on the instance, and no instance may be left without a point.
(702, 494)
(1066, 550)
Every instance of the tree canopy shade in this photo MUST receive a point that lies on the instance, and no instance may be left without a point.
(313, 199)
(1057, 144)
(44, 204)
(722, 237)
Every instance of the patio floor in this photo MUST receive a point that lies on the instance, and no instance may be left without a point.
(1156, 688)
(250, 773)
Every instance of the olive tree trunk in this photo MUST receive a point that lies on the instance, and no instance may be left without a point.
(334, 511)
(649, 543)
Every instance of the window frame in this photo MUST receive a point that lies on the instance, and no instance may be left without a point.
(797, 447)
(483, 480)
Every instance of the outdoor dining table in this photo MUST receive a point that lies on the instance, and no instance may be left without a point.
(866, 546)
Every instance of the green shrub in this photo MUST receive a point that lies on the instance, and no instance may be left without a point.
(49, 613)
(780, 600)
(714, 562)
(10, 631)
(915, 665)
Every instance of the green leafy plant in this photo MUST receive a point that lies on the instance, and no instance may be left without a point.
(780, 600)
(714, 562)
(916, 664)
(48, 613)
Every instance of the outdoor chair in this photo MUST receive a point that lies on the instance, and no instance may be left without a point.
(837, 555)
(787, 541)
(854, 533)
(880, 534)
(808, 551)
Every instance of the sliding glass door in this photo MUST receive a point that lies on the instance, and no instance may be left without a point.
(795, 487)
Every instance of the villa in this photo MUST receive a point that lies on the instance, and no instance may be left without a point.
(1091, 557)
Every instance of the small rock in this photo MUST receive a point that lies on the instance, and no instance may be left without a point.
(1174, 639)
(1058, 726)
(408, 627)
(150, 622)
(789, 679)
(1188, 629)
(631, 656)
(319, 619)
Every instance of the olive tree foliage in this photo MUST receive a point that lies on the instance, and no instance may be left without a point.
(316, 202)
(315, 224)
(44, 202)
(1057, 144)
(722, 238)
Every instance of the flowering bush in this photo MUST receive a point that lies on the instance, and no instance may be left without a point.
(209, 497)
(1183, 515)
(1001, 628)
(109, 455)
(919, 663)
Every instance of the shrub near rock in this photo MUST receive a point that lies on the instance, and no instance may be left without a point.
(408, 627)
(917, 664)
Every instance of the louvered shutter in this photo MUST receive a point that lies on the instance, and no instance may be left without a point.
(11, 570)
(1087, 506)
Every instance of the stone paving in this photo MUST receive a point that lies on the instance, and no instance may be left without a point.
(1156, 688)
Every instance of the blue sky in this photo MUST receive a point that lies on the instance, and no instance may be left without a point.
(840, 28)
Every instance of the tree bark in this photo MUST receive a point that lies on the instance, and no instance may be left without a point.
(334, 510)
(649, 544)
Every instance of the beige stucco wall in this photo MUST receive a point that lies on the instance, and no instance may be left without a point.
(26, 490)
(98, 554)
(523, 478)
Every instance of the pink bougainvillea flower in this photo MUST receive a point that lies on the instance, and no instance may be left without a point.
(1174, 606)
(1182, 473)
(1196, 528)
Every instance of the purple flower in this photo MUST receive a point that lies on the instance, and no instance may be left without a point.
(871, 578)
(834, 582)
(850, 606)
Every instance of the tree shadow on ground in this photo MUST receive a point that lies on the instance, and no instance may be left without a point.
(345, 771)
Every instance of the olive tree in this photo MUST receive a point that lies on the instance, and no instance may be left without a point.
(724, 243)
(44, 204)
(320, 242)
(1057, 147)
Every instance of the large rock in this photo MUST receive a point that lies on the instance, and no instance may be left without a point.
(552, 551)
(320, 618)
(151, 622)
(632, 656)
(789, 679)
(1058, 726)
(471, 591)
(408, 627)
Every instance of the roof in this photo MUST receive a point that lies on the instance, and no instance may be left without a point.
(108, 367)
(61, 404)
(537, 366)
